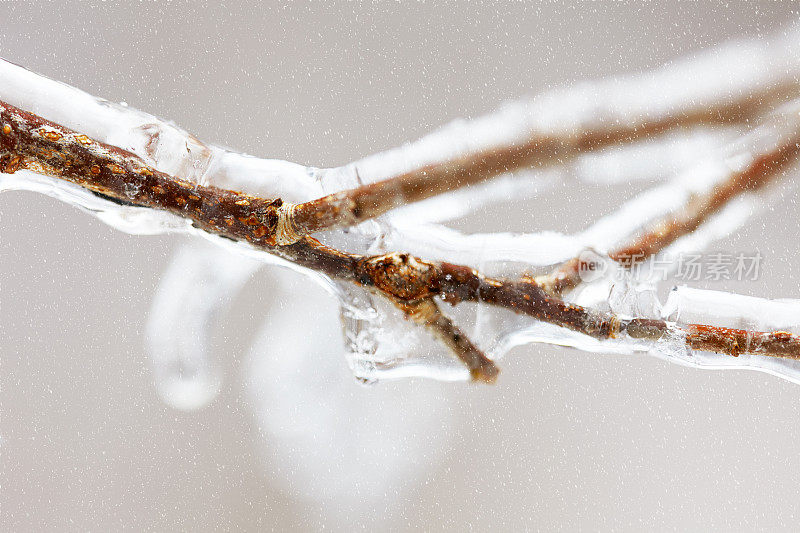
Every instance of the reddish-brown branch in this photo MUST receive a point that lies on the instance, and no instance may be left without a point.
(739, 341)
(729, 341)
(30, 142)
(426, 312)
(350, 207)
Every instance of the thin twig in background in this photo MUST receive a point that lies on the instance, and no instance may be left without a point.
(764, 168)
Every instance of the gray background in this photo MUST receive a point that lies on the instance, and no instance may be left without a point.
(565, 439)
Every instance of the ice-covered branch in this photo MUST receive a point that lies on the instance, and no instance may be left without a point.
(755, 160)
(32, 143)
(145, 175)
(732, 84)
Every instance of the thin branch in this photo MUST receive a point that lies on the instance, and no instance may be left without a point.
(350, 207)
(763, 169)
(405, 278)
(427, 313)
(729, 341)
(30, 142)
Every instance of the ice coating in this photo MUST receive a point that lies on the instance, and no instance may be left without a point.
(684, 306)
(160, 143)
(382, 345)
(650, 159)
(130, 219)
(413, 233)
(690, 305)
(379, 342)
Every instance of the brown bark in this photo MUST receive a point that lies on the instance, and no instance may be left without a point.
(350, 207)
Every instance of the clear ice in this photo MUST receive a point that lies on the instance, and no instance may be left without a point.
(378, 342)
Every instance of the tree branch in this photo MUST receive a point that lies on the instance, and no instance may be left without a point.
(30, 142)
(351, 207)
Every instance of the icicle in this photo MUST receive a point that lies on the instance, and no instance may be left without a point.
(195, 289)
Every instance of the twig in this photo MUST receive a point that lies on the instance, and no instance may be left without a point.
(729, 341)
(30, 142)
(426, 312)
(350, 207)
(763, 169)
(404, 278)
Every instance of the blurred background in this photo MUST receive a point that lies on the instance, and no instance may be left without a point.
(564, 440)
